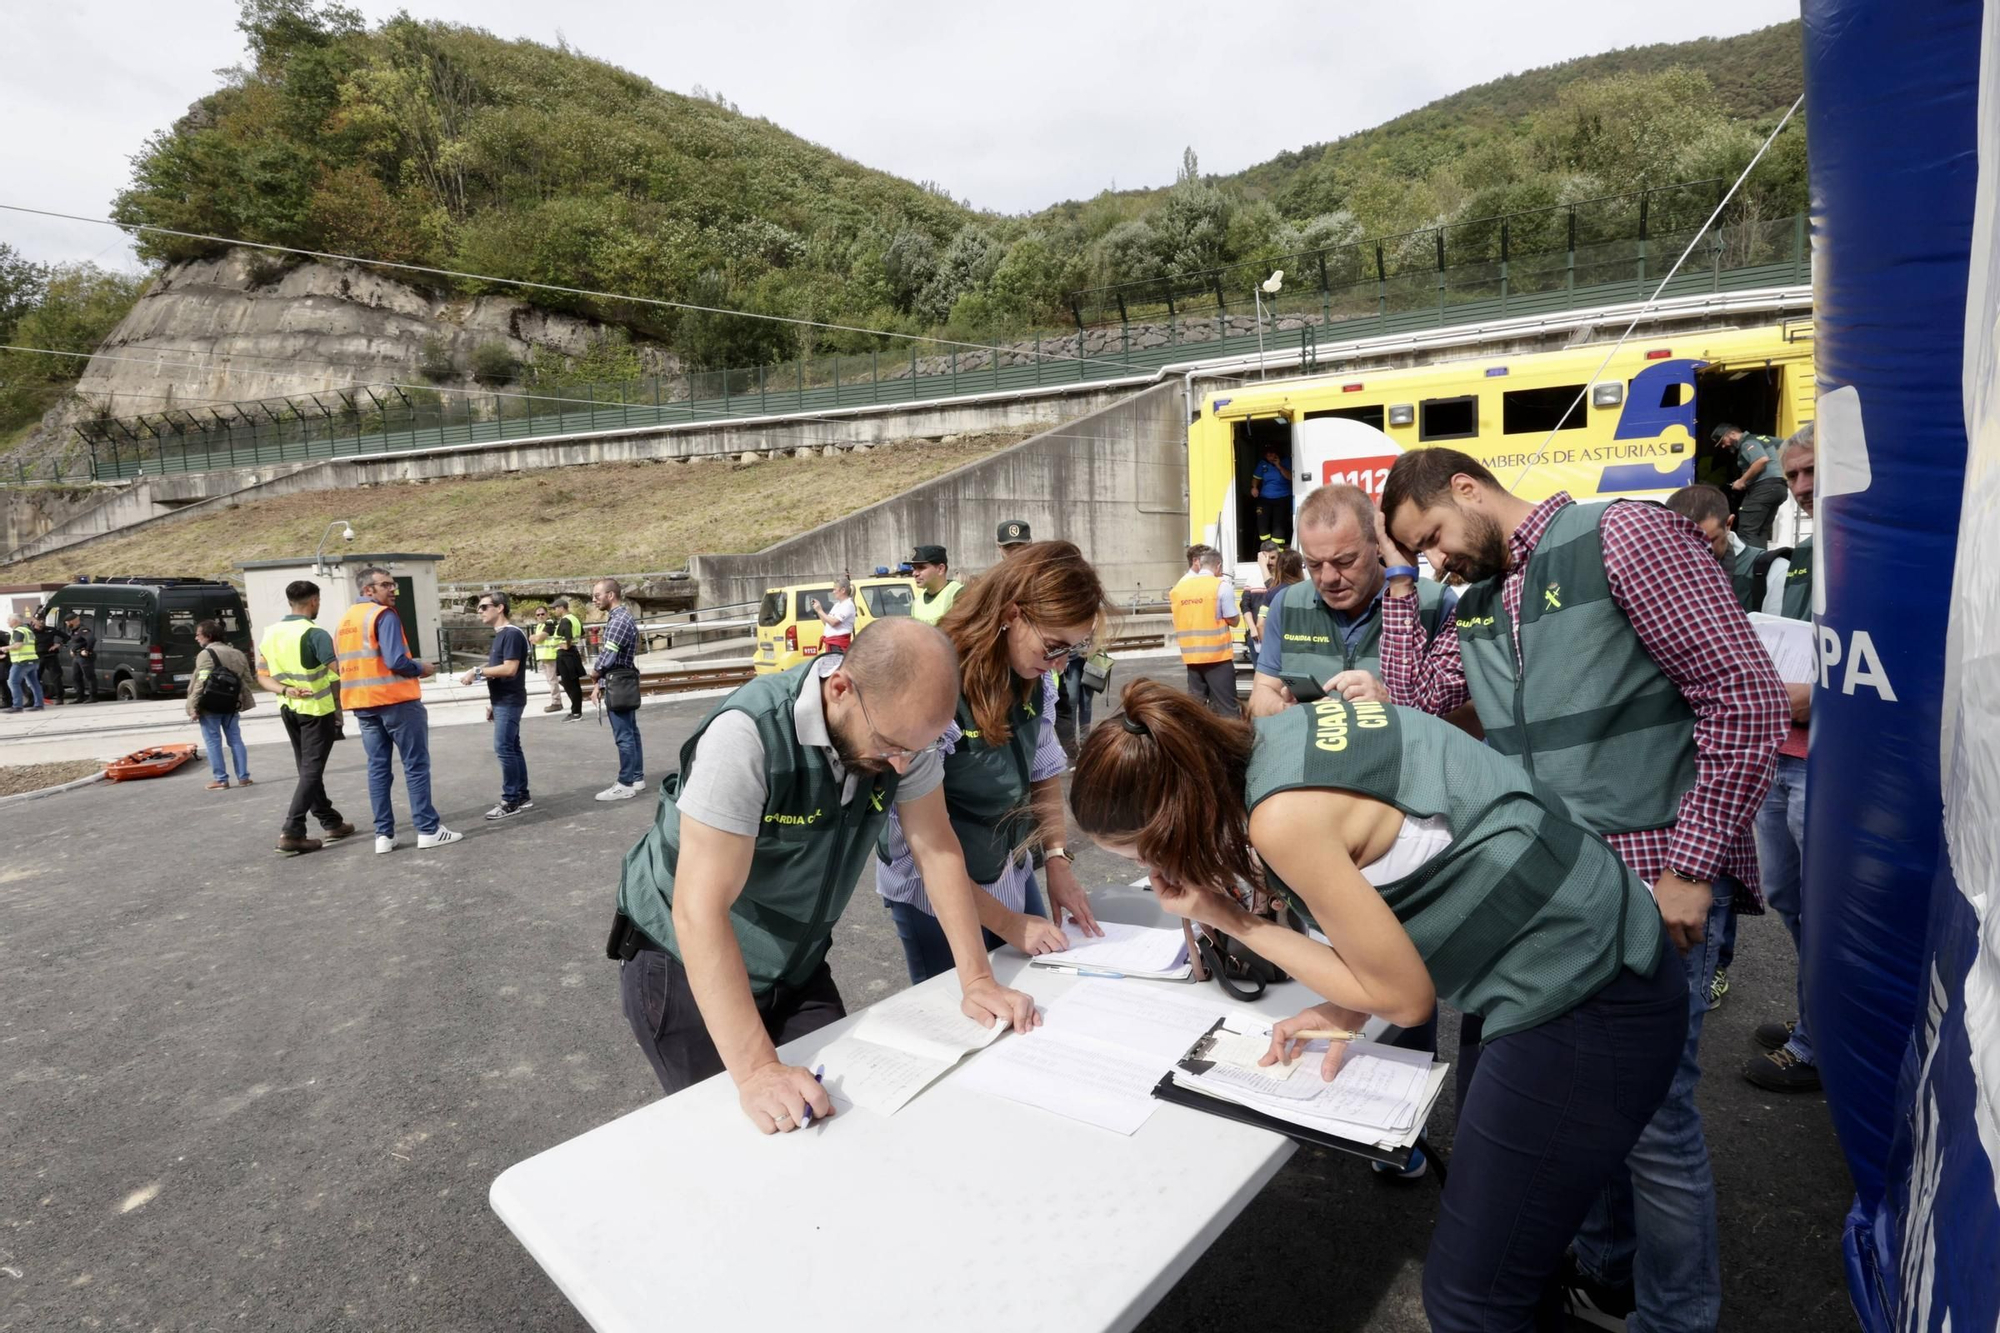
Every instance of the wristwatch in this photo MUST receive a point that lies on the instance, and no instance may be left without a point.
(1049, 853)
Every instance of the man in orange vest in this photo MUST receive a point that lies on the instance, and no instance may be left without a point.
(1205, 611)
(379, 684)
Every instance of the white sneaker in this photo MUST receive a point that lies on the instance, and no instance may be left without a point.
(618, 791)
(638, 786)
(383, 844)
(438, 839)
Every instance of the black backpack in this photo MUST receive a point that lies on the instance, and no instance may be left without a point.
(222, 691)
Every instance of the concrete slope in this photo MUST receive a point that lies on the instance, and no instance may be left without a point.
(1114, 482)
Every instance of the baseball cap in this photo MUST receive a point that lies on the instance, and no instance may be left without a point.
(927, 555)
(1715, 436)
(1012, 533)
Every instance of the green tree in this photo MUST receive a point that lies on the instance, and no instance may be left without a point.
(22, 286)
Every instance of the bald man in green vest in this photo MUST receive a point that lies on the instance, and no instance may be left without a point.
(726, 907)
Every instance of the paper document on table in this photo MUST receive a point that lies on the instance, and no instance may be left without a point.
(901, 1046)
(1790, 644)
(1379, 1094)
(1138, 951)
(1154, 1021)
(1083, 1080)
(1246, 1050)
(927, 1021)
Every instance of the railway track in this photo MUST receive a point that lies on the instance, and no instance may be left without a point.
(720, 678)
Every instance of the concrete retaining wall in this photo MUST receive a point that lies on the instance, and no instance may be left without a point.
(1114, 482)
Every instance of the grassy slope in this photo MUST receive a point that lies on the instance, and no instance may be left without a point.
(613, 517)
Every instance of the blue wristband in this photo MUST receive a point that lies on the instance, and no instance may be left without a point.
(1400, 572)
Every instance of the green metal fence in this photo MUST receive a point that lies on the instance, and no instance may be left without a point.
(1152, 326)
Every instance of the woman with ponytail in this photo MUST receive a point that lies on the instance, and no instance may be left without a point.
(1013, 627)
(1434, 869)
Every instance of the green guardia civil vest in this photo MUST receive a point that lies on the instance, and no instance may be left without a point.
(1588, 712)
(986, 787)
(1742, 567)
(810, 851)
(1798, 583)
(1526, 914)
(1311, 644)
(283, 650)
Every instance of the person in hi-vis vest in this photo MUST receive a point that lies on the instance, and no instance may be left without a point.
(380, 683)
(296, 660)
(726, 907)
(1205, 611)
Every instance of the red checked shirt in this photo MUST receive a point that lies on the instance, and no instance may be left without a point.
(1668, 583)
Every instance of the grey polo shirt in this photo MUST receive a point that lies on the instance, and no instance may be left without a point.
(726, 787)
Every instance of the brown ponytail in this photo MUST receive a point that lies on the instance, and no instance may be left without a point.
(1167, 775)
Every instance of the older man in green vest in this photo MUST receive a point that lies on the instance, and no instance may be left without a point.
(726, 907)
(295, 661)
(1605, 650)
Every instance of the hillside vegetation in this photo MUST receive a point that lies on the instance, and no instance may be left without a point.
(442, 145)
(603, 518)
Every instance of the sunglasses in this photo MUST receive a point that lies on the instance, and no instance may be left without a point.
(1059, 651)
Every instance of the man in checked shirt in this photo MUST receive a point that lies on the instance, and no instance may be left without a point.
(1603, 647)
(616, 649)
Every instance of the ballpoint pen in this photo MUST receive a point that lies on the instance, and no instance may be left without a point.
(819, 1077)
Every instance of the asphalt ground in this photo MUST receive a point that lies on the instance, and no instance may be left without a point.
(244, 1091)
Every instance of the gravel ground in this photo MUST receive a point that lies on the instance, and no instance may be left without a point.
(17, 778)
(248, 1091)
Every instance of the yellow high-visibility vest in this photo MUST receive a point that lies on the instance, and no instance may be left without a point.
(283, 651)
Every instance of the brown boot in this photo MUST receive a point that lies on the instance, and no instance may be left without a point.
(336, 834)
(291, 846)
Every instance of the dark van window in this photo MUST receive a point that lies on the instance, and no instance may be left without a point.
(771, 611)
(180, 625)
(1537, 411)
(124, 623)
(1448, 418)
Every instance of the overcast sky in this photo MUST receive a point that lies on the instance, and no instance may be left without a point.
(1011, 106)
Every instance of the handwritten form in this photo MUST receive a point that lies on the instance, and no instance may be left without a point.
(900, 1047)
(1135, 950)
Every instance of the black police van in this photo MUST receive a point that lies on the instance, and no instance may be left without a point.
(145, 630)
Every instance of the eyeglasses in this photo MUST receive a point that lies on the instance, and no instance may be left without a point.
(377, 586)
(893, 752)
(1060, 651)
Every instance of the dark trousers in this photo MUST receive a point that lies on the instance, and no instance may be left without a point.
(1274, 520)
(52, 685)
(312, 741)
(1762, 500)
(659, 1006)
(569, 673)
(1547, 1123)
(86, 678)
(1215, 684)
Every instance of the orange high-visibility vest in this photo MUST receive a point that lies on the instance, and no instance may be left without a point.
(1202, 636)
(365, 679)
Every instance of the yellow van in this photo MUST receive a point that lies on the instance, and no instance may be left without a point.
(788, 630)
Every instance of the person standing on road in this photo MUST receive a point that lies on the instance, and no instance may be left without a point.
(82, 656)
(506, 677)
(380, 685)
(1437, 870)
(837, 621)
(567, 633)
(1604, 650)
(218, 692)
(726, 907)
(936, 588)
(616, 673)
(1327, 632)
(1002, 763)
(1760, 482)
(296, 662)
(545, 657)
(49, 640)
(1788, 1064)
(1204, 608)
(24, 671)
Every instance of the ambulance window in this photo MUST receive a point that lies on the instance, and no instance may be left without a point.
(1448, 418)
(1528, 411)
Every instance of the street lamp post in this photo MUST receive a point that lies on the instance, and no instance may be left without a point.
(1269, 287)
(346, 534)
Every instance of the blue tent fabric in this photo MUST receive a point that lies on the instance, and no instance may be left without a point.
(1894, 967)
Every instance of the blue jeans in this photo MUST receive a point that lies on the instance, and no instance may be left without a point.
(402, 729)
(926, 952)
(507, 748)
(1552, 1116)
(25, 680)
(1781, 851)
(217, 728)
(625, 731)
(1655, 1224)
(1079, 697)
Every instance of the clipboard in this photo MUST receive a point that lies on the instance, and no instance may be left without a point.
(1167, 1090)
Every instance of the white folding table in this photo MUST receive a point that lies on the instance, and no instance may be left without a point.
(963, 1210)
